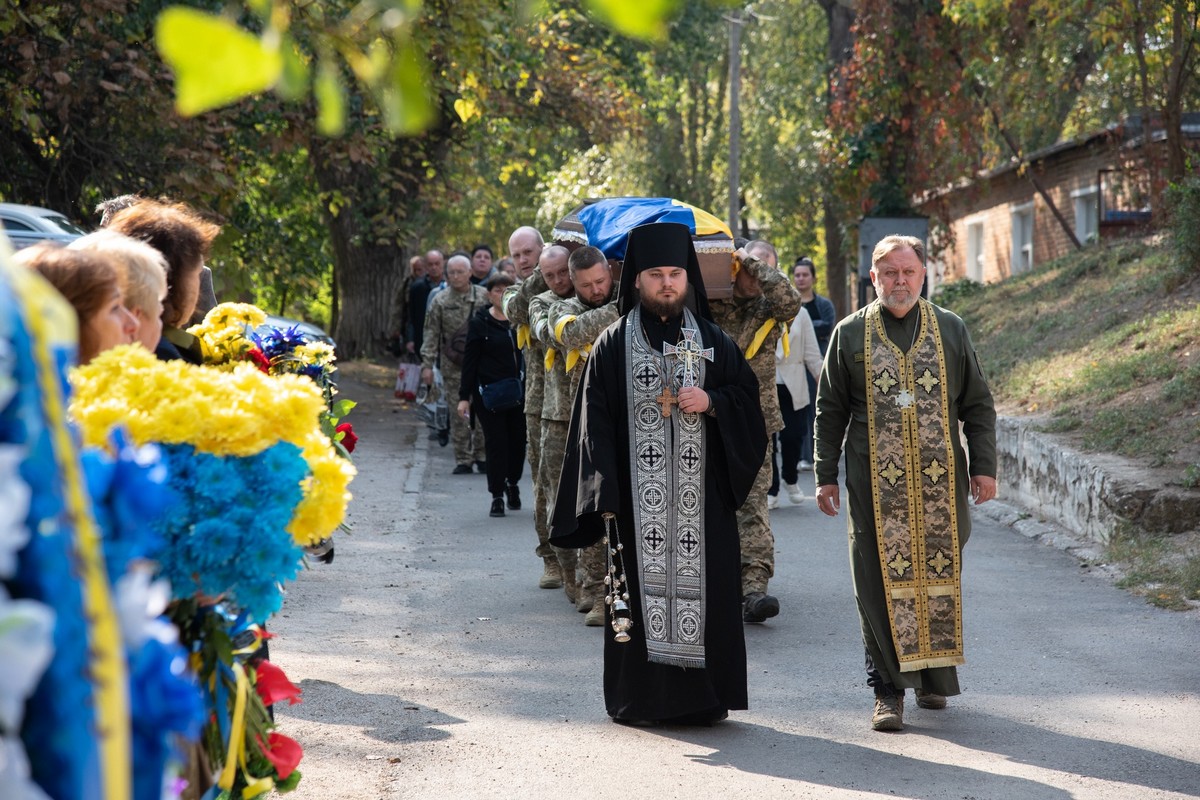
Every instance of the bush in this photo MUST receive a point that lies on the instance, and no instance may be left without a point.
(949, 295)
(1183, 205)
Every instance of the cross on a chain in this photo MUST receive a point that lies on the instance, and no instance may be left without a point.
(666, 400)
(689, 352)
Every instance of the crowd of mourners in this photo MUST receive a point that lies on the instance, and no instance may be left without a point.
(506, 342)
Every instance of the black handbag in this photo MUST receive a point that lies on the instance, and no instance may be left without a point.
(502, 395)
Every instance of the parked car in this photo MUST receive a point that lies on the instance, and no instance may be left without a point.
(26, 225)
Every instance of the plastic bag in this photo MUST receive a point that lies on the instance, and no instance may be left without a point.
(408, 379)
(433, 408)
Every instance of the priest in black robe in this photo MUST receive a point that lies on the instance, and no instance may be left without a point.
(665, 440)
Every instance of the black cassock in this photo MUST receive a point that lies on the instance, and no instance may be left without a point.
(596, 478)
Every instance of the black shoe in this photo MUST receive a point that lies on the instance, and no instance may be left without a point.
(443, 438)
(514, 497)
(497, 507)
(759, 607)
(461, 469)
(481, 467)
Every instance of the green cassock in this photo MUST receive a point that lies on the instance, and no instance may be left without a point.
(854, 399)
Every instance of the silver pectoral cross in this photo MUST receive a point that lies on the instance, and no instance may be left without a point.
(689, 352)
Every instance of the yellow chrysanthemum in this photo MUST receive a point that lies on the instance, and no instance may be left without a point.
(230, 411)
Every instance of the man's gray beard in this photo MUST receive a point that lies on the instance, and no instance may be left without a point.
(664, 309)
(896, 306)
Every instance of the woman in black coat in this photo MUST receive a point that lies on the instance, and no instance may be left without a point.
(494, 375)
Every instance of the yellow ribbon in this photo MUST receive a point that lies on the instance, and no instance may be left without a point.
(560, 325)
(787, 345)
(46, 315)
(237, 730)
(549, 361)
(760, 336)
(522, 336)
(573, 356)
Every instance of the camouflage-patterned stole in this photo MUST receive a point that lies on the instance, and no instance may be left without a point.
(916, 521)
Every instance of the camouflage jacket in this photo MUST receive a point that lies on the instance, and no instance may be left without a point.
(575, 327)
(447, 313)
(756, 323)
(556, 401)
(516, 308)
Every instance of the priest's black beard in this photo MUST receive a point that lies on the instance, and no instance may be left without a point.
(664, 309)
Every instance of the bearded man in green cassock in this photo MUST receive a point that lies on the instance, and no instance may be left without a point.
(900, 376)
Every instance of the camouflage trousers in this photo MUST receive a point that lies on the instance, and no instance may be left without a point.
(754, 532)
(554, 450)
(592, 567)
(533, 454)
(467, 442)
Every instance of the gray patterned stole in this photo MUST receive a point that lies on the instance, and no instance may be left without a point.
(667, 469)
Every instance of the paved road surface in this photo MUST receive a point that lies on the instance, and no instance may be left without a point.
(433, 667)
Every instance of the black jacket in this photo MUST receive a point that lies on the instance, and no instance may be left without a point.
(491, 353)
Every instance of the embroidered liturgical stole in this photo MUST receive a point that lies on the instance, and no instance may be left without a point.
(667, 468)
(916, 521)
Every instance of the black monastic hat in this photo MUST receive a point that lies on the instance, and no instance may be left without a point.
(662, 244)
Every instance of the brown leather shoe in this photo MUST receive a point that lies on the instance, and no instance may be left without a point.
(889, 713)
(930, 700)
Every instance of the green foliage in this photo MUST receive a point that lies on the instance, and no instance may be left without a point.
(1183, 201)
(952, 295)
(215, 62)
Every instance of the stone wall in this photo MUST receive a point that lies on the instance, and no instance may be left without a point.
(1092, 495)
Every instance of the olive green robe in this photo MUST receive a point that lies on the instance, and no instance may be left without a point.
(841, 415)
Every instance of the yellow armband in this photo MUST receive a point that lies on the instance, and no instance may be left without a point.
(759, 337)
(787, 345)
(522, 336)
(562, 323)
(549, 361)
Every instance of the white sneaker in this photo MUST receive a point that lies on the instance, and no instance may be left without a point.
(772, 501)
(805, 464)
(794, 493)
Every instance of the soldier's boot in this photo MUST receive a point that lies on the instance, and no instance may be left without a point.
(552, 577)
(595, 617)
(759, 607)
(571, 585)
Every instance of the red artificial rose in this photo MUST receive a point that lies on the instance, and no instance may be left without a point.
(349, 439)
(259, 358)
(272, 685)
(283, 752)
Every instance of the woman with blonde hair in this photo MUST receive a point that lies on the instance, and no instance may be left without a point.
(88, 281)
(142, 274)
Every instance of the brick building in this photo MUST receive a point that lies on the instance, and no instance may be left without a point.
(1000, 226)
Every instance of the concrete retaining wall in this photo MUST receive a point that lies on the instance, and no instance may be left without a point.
(1091, 495)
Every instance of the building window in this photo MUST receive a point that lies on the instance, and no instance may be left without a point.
(1087, 213)
(975, 251)
(1022, 238)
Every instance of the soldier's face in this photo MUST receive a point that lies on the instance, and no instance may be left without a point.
(524, 248)
(593, 285)
(898, 278)
(458, 274)
(556, 273)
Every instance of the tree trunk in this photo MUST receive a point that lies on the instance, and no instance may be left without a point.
(839, 17)
(365, 271)
(1179, 72)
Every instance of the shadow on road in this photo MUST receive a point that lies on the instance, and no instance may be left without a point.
(761, 750)
(1077, 755)
(400, 721)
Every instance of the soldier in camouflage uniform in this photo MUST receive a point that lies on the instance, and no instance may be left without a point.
(556, 404)
(449, 311)
(525, 245)
(763, 302)
(575, 323)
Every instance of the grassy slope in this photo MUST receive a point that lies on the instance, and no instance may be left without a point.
(1102, 348)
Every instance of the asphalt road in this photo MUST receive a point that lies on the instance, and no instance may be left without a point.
(432, 666)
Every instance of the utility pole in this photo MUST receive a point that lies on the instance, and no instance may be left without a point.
(736, 20)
